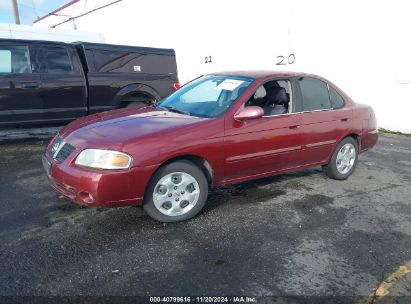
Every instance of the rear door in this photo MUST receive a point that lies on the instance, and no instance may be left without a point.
(63, 86)
(20, 102)
(322, 125)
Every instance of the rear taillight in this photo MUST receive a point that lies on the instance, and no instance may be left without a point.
(175, 86)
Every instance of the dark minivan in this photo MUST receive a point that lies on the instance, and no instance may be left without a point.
(43, 82)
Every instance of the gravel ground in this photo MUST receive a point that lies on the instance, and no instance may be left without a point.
(292, 234)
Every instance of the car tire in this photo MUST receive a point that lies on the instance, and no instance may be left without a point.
(177, 192)
(136, 104)
(344, 160)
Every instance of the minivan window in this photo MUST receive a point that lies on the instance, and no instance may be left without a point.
(14, 59)
(56, 60)
(315, 94)
(336, 99)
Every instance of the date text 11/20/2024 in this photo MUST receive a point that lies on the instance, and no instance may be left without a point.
(240, 299)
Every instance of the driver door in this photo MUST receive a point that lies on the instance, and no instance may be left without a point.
(20, 101)
(263, 145)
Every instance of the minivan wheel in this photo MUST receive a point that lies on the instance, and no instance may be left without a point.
(344, 159)
(177, 192)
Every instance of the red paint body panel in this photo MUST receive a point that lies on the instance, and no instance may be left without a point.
(261, 145)
(235, 150)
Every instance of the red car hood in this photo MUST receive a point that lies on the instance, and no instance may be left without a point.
(115, 128)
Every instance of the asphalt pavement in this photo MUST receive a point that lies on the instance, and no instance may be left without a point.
(298, 234)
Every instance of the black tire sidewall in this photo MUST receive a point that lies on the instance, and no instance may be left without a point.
(331, 167)
(136, 104)
(177, 166)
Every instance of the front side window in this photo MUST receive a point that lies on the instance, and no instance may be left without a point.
(273, 97)
(314, 93)
(14, 59)
(207, 96)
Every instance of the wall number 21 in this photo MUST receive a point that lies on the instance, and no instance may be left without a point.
(290, 60)
(208, 59)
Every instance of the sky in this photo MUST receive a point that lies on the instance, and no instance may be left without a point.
(29, 9)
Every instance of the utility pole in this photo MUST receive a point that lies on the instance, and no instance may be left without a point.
(16, 11)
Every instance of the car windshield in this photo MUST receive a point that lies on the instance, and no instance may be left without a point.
(207, 96)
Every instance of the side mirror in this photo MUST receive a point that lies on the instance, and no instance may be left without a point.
(250, 112)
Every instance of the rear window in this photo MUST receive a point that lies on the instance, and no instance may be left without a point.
(127, 62)
(14, 59)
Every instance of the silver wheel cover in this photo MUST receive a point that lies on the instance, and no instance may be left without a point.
(345, 158)
(176, 193)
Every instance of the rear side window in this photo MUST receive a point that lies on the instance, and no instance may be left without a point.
(52, 60)
(314, 93)
(127, 62)
(57, 61)
(336, 100)
(14, 59)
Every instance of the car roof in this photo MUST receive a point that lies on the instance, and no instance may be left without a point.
(28, 41)
(124, 48)
(97, 46)
(263, 74)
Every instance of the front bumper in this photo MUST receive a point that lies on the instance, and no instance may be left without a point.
(99, 188)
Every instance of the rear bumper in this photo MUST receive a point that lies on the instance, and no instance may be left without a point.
(99, 188)
(368, 140)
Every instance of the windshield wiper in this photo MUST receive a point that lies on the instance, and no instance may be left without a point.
(171, 109)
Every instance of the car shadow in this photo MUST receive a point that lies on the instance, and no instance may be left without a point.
(258, 190)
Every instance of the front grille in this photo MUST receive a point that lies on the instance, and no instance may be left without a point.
(64, 152)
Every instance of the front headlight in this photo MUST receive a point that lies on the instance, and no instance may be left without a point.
(103, 159)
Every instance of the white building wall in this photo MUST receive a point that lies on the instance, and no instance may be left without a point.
(362, 46)
(14, 31)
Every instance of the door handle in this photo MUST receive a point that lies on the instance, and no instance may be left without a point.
(29, 85)
(344, 119)
(295, 127)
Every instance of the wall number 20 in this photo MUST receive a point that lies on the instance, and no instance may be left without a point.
(290, 60)
(208, 59)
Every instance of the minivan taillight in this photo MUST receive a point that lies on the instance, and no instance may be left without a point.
(175, 85)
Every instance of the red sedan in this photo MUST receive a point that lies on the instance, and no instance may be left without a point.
(218, 129)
